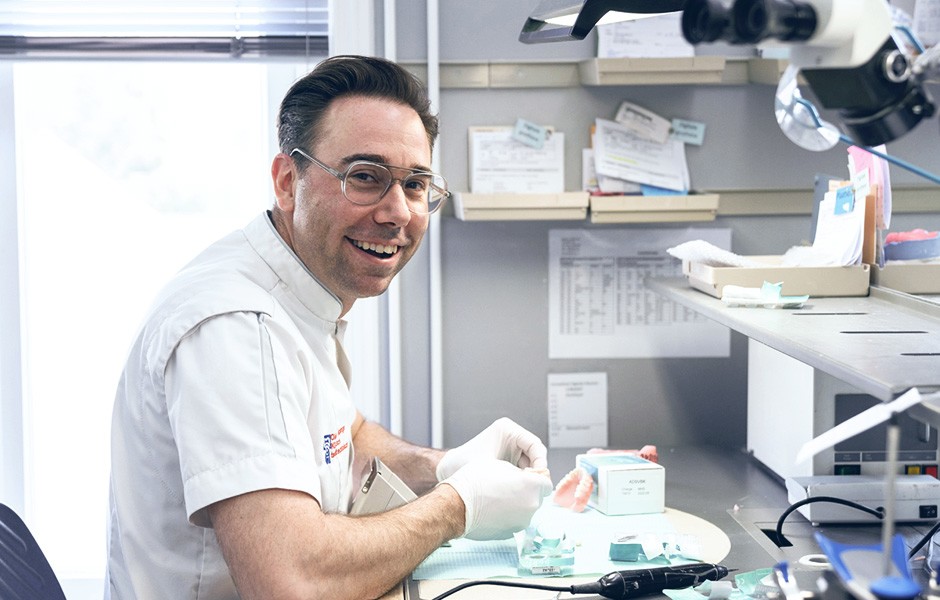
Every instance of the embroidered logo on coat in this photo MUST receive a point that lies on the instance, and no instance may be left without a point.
(333, 445)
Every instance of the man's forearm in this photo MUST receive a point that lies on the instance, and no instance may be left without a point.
(438, 513)
(415, 465)
(278, 543)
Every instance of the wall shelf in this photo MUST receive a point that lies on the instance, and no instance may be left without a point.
(655, 71)
(576, 206)
(566, 206)
(703, 70)
(824, 335)
(766, 70)
(653, 209)
(734, 203)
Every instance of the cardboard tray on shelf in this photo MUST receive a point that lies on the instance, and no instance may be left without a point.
(512, 206)
(646, 209)
(797, 281)
(666, 70)
(912, 277)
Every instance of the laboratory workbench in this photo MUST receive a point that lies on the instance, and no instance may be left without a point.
(705, 482)
(725, 487)
(883, 344)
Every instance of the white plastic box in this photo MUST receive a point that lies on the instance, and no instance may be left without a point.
(625, 484)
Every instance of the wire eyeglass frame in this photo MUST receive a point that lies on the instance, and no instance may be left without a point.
(425, 203)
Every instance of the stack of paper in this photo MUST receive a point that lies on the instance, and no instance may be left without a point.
(652, 37)
(636, 152)
(840, 230)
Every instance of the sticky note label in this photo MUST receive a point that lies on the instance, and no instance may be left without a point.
(530, 134)
(688, 132)
(845, 200)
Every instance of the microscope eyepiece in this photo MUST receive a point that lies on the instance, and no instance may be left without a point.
(747, 21)
(784, 20)
(705, 21)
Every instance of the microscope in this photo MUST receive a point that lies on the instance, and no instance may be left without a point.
(846, 51)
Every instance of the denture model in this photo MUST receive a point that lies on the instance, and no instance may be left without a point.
(647, 452)
(574, 490)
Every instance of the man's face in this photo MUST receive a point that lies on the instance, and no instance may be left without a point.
(333, 236)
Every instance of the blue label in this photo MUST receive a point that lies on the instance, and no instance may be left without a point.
(845, 200)
(326, 449)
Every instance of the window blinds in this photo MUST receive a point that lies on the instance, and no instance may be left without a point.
(167, 28)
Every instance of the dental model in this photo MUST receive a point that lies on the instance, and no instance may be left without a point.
(647, 452)
(574, 490)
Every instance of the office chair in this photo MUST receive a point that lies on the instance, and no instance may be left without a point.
(25, 574)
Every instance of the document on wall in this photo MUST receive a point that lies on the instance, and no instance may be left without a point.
(651, 37)
(600, 307)
(501, 164)
(577, 410)
(620, 153)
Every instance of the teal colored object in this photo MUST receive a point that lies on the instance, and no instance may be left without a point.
(546, 550)
(625, 551)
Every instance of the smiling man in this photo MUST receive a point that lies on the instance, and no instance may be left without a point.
(236, 448)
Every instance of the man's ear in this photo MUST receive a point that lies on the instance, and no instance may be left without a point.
(284, 176)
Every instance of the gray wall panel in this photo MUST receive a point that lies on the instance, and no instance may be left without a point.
(496, 346)
(495, 303)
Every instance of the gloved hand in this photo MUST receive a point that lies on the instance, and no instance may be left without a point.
(503, 440)
(499, 498)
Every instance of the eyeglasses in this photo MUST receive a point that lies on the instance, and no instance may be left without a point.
(365, 183)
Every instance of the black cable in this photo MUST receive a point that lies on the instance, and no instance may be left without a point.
(531, 586)
(872, 511)
(924, 540)
(619, 585)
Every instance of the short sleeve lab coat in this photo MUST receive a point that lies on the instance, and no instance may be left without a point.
(233, 385)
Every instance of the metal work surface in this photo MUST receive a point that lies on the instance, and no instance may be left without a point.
(715, 484)
(884, 344)
(711, 483)
(730, 489)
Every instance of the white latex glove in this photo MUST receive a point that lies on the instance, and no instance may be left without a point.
(504, 440)
(499, 498)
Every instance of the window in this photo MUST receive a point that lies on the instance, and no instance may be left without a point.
(125, 171)
(165, 29)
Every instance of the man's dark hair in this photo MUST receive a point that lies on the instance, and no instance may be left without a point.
(301, 113)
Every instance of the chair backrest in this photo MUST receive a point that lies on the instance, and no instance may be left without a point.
(25, 574)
